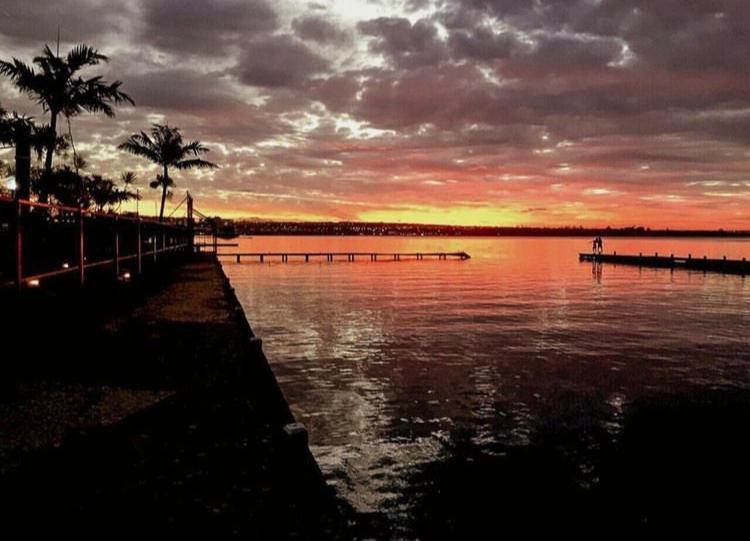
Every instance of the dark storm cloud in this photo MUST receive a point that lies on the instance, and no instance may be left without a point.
(28, 22)
(406, 45)
(319, 29)
(586, 68)
(669, 33)
(482, 44)
(204, 27)
(278, 61)
(337, 93)
(552, 54)
(447, 95)
(179, 90)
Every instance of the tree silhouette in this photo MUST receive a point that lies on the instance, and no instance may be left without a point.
(23, 134)
(95, 192)
(164, 146)
(53, 82)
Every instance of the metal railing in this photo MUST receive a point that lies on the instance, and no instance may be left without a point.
(45, 241)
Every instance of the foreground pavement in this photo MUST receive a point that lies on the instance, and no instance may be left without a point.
(151, 408)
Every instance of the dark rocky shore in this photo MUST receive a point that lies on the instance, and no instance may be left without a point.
(150, 408)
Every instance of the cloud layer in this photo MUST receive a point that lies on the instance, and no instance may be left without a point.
(621, 112)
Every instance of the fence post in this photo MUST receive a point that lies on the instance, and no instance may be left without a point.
(216, 236)
(81, 248)
(117, 248)
(19, 244)
(139, 248)
(190, 224)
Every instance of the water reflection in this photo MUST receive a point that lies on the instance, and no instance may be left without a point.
(597, 269)
(677, 463)
(517, 367)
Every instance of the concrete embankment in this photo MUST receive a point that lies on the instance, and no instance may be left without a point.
(151, 408)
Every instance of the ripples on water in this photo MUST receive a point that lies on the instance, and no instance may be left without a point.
(404, 372)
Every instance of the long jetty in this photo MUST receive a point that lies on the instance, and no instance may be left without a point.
(705, 264)
(350, 256)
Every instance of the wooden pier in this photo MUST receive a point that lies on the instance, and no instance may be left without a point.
(705, 264)
(284, 257)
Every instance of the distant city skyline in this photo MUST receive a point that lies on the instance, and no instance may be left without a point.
(465, 112)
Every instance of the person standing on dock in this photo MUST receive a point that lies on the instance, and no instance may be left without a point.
(597, 246)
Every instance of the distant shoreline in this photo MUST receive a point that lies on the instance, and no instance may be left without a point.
(368, 229)
(569, 234)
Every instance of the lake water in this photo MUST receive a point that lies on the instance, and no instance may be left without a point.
(408, 374)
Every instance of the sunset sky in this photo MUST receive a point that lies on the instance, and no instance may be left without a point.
(492, 112)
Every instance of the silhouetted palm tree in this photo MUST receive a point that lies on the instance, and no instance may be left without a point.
(21, 133)
(53, 82)
(164, 146)
(10, 124)
(6, 131)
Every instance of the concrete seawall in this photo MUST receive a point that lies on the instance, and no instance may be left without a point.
(158, 415)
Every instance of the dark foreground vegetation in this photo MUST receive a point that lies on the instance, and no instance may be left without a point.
(58, 85)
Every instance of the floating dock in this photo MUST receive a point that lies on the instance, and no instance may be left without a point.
(705, 264)
(350, 256)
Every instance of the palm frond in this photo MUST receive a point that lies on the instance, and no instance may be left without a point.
(141, 144)
(128, 178)
(196, 148)
(84, 55)
(137, 149)
(22, 75)
(195, 163)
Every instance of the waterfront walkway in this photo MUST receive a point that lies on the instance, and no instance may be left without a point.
(149, 409)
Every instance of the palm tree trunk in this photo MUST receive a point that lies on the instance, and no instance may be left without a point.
(43, 192)
(164, 193)
(23, 163)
